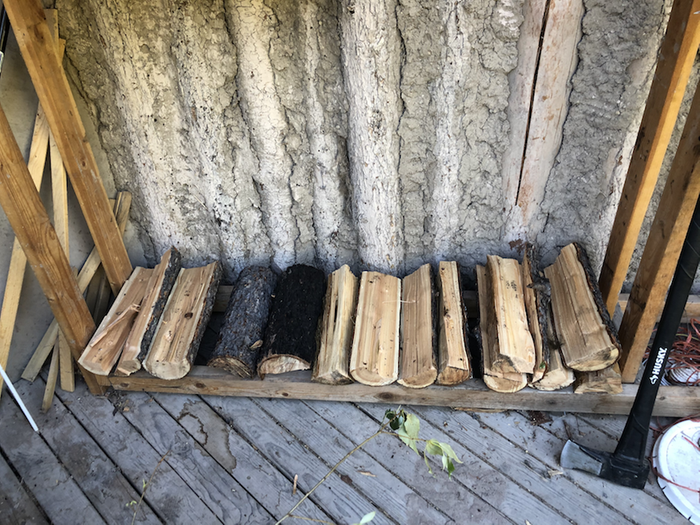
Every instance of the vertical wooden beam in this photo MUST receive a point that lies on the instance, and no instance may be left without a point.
(663, 247)
(676, 57)
(34, 38)
(18, 261)
(26, 214)
(550, 102)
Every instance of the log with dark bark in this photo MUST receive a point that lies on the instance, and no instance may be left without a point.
(536, 291)
(453, 360)
(240, 338)
(159, 287)
(333, 359)
(418, 334)
(587, 336)
(183, 322)
(290, 337)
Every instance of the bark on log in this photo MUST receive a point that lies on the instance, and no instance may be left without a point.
(333, 359)
(418, 330)
(290, 337)
(183, 322)
(453, 360)
(536, 291)
(557, 375)
(585, 331)
(240, 339)
(159, 287)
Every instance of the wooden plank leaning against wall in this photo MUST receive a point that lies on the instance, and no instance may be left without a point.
(676, 57)
(34, 39)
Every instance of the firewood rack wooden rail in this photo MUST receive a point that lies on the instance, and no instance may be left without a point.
(37, 238)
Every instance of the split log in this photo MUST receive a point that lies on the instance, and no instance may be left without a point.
(536, 291)
(418, 335)
(606, 381)
(374, 358)
(585, 331)
(290, 338)
(557, 375)
(333, 358)
(453, 361)
(498, 375)
(240, 339)
(159, 287)
(183, 322)
(107, 342)
(515, 345)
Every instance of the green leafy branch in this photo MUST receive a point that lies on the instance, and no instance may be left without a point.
(404, 426)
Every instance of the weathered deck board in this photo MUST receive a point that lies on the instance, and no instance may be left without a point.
(401, 502)
(512, 500)
(168, 495)
(519, 465)
(255, 473)
(96, 475)
(16, 506)
(210, 481)
(57, 493)
(546, 441)
(338, 499)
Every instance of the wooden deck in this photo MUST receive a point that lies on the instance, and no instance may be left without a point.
(233, 460)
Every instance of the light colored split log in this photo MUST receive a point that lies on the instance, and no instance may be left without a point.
(183, 322)
(418, 335)
(90, 267)
(333, 359)
(240, 338)
(290, 340)
(453, 361)
(496, 374)
(106, 344)
(374, 359)
(606, 381)
(536, 305)
(587, 343)
(515, 343)
(141, 336)
(557, 374)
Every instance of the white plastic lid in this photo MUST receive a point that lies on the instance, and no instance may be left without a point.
(676, 459)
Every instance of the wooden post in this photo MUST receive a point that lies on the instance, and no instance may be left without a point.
(676, 57)
(26, 214)
(18, 261)
(38, 50)
(663, 247)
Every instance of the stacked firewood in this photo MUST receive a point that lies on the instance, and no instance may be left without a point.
(156, 322)
(546, 330)
(543, 329)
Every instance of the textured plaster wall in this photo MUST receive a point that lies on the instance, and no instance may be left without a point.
(368, 132)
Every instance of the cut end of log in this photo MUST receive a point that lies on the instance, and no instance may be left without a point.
(451, 376)
(280, 364)
(232, 365)
(420, 380)
(506, 385)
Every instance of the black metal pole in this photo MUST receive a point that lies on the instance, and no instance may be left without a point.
(632, 444)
